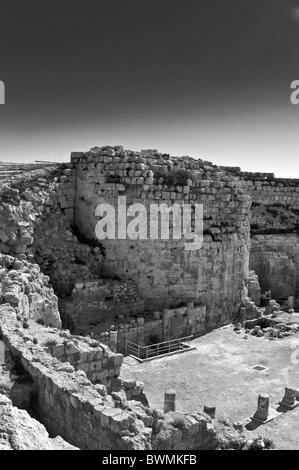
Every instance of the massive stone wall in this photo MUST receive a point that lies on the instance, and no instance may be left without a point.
(274, 226)
(274, 231)
(166, 274)
(275, 205)
(101, 365)
(156, 327)
(95, 305)
(275, 258)
(275, 201)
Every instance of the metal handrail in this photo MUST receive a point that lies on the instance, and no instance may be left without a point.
(156, 349)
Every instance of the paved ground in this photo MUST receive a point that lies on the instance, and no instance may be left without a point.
(218, 372)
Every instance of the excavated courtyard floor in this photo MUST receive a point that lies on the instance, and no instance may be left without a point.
(219, 372)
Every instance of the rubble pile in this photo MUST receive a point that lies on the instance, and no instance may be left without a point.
(61, 256)
(269, 322)
(27, 289)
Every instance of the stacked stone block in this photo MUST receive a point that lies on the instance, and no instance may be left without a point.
(166, 273)
(99, 363)
(275, 258)
(95, 305)
(27, 289)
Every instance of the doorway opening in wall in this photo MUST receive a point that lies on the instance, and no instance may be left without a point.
(154, 350)
(153, 339)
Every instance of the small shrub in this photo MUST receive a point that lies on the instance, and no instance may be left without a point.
(269, 444)
(179, 422)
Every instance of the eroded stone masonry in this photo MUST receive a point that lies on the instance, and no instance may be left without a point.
(69, 302)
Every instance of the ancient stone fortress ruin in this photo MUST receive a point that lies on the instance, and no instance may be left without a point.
(69, 303)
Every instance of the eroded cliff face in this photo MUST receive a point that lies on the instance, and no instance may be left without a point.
(21, 432)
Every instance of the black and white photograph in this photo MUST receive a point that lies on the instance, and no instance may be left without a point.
(149, 229)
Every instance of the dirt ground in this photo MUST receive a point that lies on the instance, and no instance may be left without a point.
(218, 372)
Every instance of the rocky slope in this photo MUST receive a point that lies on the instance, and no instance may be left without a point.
(18, 431)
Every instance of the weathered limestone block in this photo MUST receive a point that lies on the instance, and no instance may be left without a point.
(272, 307)
(144, 414)
(249, 310)
(254, 289)
(210, 410)
(25, 288)
(179, 431)
(275, 260)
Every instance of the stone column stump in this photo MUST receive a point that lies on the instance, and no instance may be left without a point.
(169, 401)
(291, 302)
(289, 399)
(210, 410)
(262, 412)
(113, 340)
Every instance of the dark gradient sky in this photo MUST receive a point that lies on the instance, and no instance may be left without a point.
(205, 78)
